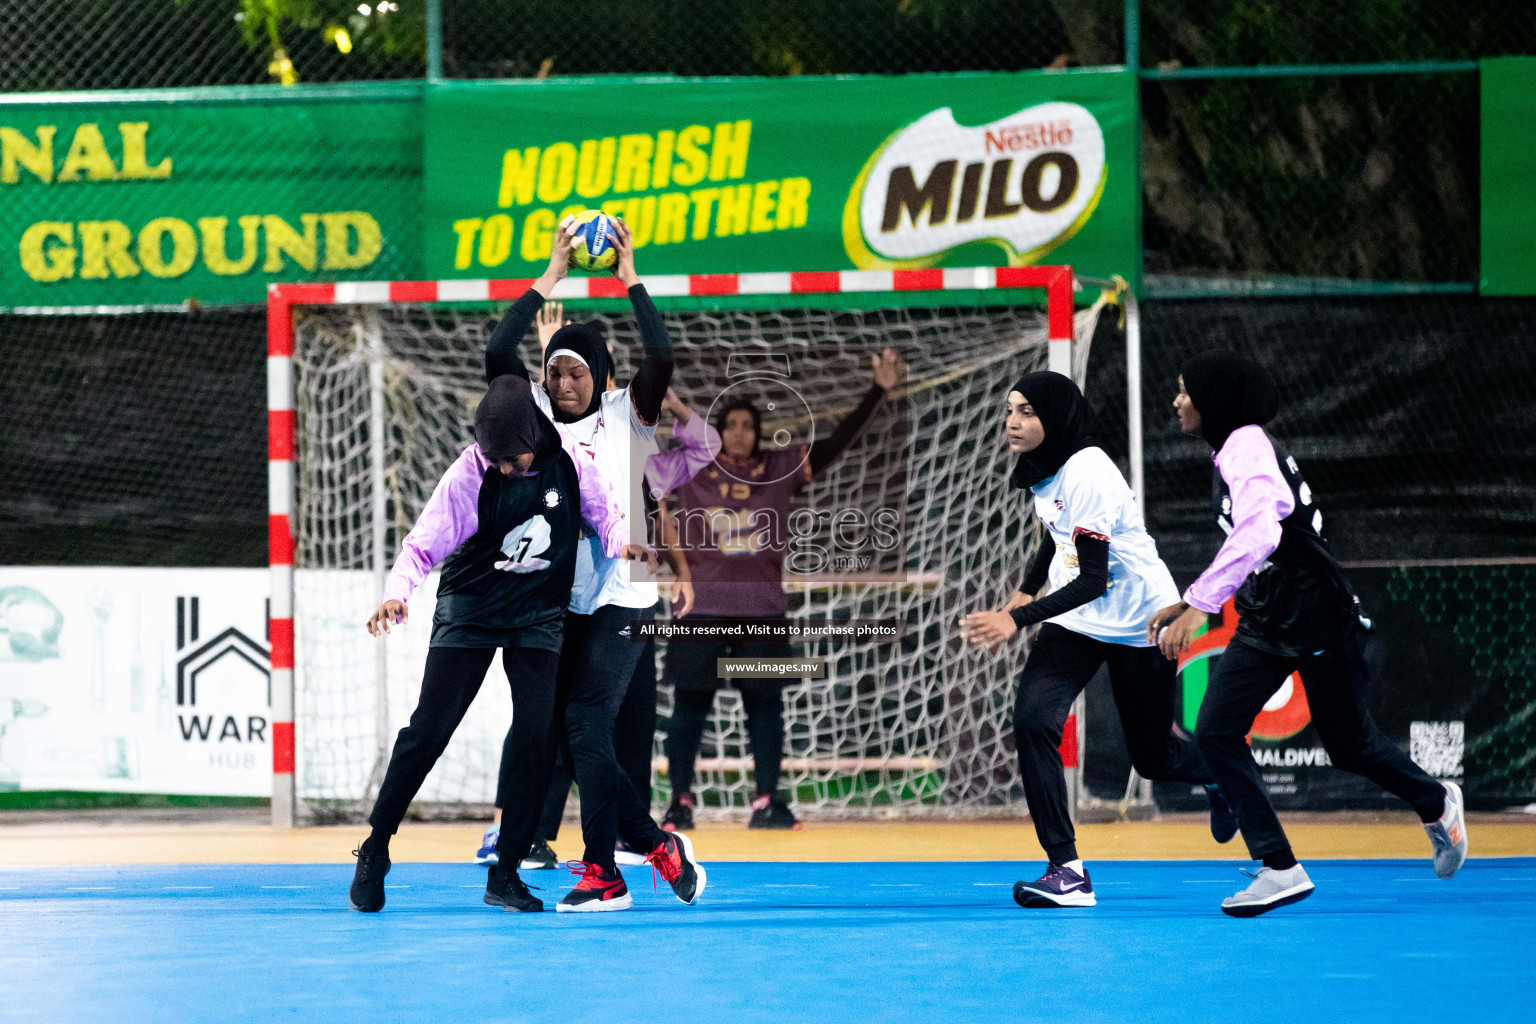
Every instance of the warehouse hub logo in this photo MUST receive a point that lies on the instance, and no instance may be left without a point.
(1026, 183)
(231, 674)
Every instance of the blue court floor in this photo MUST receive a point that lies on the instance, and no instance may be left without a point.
(811, 943)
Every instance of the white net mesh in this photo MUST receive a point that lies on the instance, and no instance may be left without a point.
(385, 398)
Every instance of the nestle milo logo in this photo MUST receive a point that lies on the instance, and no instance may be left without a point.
(1026, 182)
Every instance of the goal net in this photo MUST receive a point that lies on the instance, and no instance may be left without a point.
(382, 386)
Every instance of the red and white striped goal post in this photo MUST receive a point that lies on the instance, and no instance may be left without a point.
(1056, 281)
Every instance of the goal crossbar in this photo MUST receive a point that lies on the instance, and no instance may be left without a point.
(282, 299)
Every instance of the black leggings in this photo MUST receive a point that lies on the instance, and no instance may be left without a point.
(634, 731)
(597, 661)
(764, 703)
(1060, 665)
(1335, 680)
(453, 677)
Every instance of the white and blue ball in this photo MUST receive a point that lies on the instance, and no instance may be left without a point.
(592, 247)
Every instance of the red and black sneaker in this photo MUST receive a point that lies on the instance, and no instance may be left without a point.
(674, 861)
(599, 889)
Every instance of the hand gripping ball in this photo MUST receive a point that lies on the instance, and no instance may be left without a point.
(592, 247)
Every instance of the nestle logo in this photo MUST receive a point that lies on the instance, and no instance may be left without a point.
(1015, 137)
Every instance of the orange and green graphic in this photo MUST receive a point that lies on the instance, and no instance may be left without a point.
(1285, 714)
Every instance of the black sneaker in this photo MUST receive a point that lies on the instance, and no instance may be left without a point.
(506, 890)
(774, 814)
(367, 892)
(679, 816)
(674, 861)
(598, 890)
(1224, 823)
(540, 858)
(1060, 886)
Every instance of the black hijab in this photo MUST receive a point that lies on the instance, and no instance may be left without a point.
(1229, 391)
(585, 341)
(508, 422)
(1068, 421)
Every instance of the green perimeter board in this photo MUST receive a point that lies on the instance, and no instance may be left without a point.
(1508, 176)
(325, 182)
(780, 200)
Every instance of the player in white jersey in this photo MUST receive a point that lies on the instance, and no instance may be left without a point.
(1106, 578)
(616, 430)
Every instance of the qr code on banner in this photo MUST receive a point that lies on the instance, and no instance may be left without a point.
(1437, 747)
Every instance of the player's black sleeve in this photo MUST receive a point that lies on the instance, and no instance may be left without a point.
(649, 388)
(501, 352)
(1040, 568)
(825, 451)
(1092, 582)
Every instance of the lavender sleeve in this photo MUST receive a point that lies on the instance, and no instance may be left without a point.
(600, 505)
(1260, 499)
(698, 443)
(451, 517)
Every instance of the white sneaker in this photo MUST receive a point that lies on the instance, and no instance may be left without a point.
(1449, 834)
(622, 854)
(1269, 889)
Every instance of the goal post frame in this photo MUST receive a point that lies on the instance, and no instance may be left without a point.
(282, 444)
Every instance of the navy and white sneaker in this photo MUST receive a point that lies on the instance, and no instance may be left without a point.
(1224, 823)
(1060, 886)
(487, 852)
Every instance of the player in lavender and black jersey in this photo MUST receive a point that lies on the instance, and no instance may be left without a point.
(1106, 578)
(1297, 613)
(504, 524)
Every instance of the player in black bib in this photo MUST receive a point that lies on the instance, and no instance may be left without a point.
(503, 522)
(1297, 613)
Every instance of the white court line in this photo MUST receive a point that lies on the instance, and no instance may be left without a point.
(1517, 878)
(387, 887)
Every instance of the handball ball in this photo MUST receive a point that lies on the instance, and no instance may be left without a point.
(592, 247)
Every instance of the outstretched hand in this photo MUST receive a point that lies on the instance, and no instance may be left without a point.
(988, 629)
(888, 369)
(550, 319)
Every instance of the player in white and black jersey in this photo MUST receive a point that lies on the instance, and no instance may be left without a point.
(1106, 579)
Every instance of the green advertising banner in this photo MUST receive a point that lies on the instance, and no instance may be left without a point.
(1508, 176)
(740, 175)
(208, 195)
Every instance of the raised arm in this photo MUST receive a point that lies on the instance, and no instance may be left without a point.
(501, 352)
(698, 444)
(888, 372)
(648, 389)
